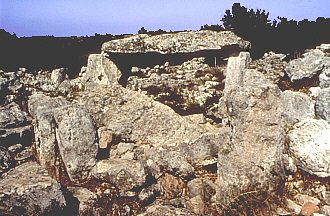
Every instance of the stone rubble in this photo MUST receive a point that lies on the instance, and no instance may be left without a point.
(190, 133)
(189, 87)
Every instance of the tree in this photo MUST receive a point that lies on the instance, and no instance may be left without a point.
(244, 21)
(252, 25)
(142, 31)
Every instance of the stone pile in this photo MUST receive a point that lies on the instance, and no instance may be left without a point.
(187, 88)
(112, 142)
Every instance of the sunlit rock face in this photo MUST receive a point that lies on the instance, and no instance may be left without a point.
(182, 42)
(173, 124)
(252, 158)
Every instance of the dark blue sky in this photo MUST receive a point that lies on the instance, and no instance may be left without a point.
(86, 17)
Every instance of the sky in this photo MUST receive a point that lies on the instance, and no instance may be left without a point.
(87, 17)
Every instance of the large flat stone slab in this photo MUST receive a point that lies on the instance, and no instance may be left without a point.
(182, 42)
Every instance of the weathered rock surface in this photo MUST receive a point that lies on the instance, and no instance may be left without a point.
(135, 117)
(325, 210)
(182, 42)
(200, 191)
(10, 87)
(322, 106)
(309, 209)
(306, 67)
(6, 160)
(101, 70)
(296, 107)
(40, 104)
(169, 159)
(86, 200)
(160, 210)
(302, 199)
(171, 187)
(29, 190)
(187, 88)
(15, 126)
(63, 133)
(292, 206)
(124, 174)
(271, 65)
(252, 160)
(11, 116)
(325, 78)
(117, 151)
(204, 149)
(309, 145)
(58, 76)
(76, 140)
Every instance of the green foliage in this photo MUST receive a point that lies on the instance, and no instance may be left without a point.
(245, 20)
(280, 35)
(216, 27)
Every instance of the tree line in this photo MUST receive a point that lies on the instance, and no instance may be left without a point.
(280, 35)
(48, 52)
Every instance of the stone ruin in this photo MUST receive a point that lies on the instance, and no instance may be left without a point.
(174, 124)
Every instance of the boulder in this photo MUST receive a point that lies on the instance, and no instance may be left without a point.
(302, 199)
(325, 210)
(252, 158)
(309, 146)
(309, 209)
(42, 109)
(63, 133)
(101, 70)
(135, 117)
(182, 42)
(11, 116)
(124, 174)
(171, 187)
(170, 160)
(86, 200)
(200, 192)
(58, 76)
(325, 78)
(15, 126)
(322, 106)
(204, 149)
(296, 107)
(306, 67)
(76, 139)
(29, 190)
(39, 104)
(196, 205)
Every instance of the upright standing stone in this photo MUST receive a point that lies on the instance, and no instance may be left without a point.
(101, 70)
(252, 160)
